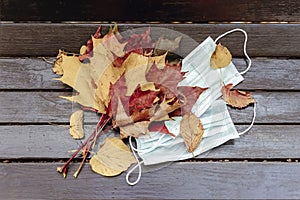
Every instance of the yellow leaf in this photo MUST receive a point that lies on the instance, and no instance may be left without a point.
(113, 158)
(220, 58)
(110, 75)
(136, 67)
(192, 131)
(92, 80)
(78, 76)
(76, 125)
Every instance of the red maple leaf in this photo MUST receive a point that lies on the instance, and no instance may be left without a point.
(140, 100)
(139, 42)
(117, 91)
(136, 43)
(166, 79)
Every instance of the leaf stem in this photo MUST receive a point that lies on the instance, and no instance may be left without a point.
(86, 145)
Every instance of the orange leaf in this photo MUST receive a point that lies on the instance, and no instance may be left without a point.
(236, 98)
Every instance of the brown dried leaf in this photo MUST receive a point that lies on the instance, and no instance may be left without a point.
(192, 131)
(113, 158)
(236, 98)
(220, 58)
(163, 109)
(127, 125)
(76, 125)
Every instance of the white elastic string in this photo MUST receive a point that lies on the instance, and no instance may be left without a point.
(147, 150)
(139, 163)
(244, 48)
(253, 119)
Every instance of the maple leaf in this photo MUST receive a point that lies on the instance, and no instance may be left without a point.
(188, 97)
(136, 67)
(141, 99)
(138, 42)
(126, 124)
(166, 79)
(236, 98)
(113, 158)
(117, 91)
(76, 125)
(92, 79)
(191, 130)
(220, 58)
(161, 111)
(80, 79)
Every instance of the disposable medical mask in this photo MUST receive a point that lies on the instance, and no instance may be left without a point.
(218, 126)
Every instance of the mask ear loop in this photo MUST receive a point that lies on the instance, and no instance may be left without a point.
(244, 47)
(139, 163)
(246, 70)
(252, 122)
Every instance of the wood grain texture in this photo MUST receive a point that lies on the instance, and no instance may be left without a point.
(265, 74)
(237, 180)
(46, 107)
(42, 39)
(42, 142)
(155, 10)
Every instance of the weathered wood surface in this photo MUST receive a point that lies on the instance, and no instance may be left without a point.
(155, 10)
(47, 142)
(47, 107)
(34, 120)
(44, 39)
(208, 180)
(265, 74)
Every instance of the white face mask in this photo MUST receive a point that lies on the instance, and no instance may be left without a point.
(217, 123)
(218, 128)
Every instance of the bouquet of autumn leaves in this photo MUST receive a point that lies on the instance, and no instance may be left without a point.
(134, 88)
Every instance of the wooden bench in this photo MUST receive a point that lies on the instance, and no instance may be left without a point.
(34, 140)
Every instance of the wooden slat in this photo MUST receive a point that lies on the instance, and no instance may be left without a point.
(54, 142)
(265, 74)
(155, 10)
(45, 39)
(44, 107)
(28, 73)
(179, 180)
